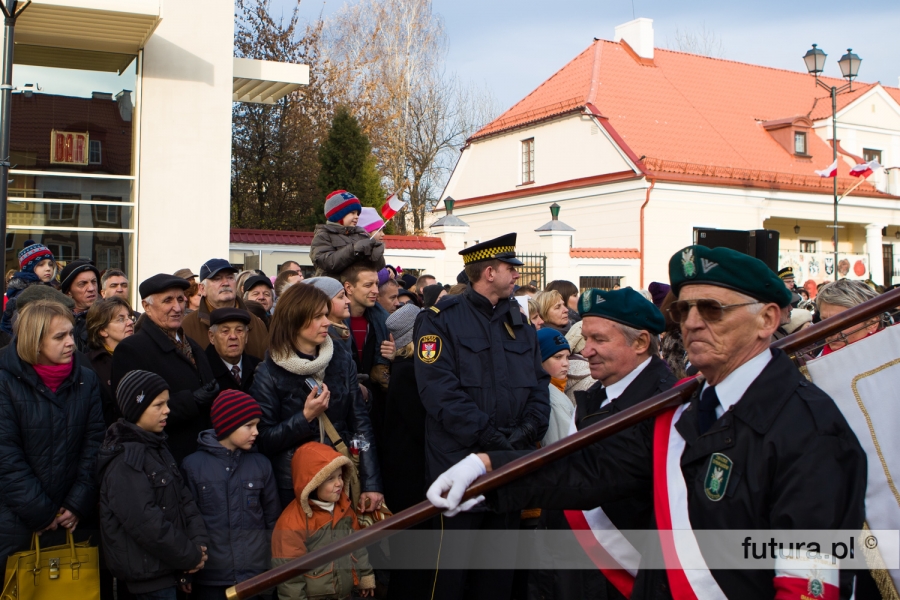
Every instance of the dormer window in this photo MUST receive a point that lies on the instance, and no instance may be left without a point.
(800, 142)
(792, 133)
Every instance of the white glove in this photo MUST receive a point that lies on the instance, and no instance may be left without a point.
(454, 482)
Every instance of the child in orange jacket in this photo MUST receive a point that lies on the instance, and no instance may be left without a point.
(320, 514)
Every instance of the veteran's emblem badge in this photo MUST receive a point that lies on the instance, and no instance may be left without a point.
(717, 475)
(429, 348)
(815, 586)
(687, 263)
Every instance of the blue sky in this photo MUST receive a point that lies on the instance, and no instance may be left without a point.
(511, 46)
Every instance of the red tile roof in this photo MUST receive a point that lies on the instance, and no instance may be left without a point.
(34, 117)
(604, 253)
(304, 238)
(689, 109)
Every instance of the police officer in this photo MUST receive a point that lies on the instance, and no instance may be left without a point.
(478, 370)
(620, 329)
(757, 448)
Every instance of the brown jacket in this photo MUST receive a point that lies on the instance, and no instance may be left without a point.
(196, 327)
(335, 248)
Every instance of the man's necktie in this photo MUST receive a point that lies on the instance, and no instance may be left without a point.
(706, 413)
(236, 373)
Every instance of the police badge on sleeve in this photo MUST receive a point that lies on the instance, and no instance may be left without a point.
(429, 348)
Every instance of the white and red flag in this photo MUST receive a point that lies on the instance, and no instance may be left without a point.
(830, 171)
(865, 169)
(392, 206)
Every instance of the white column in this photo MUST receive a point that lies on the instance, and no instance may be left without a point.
(555, 246)
(873, 248)
(454, 238)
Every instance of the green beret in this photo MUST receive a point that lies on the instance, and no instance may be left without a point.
(625, 306)
(727, 268)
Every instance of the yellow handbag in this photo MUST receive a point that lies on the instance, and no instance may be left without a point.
(71, 571)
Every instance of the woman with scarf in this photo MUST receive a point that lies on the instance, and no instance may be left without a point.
(109, 321)
(36, 266)
(305, 377)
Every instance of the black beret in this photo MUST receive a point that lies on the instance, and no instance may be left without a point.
(624, 306)
(727, 268)
(160, 283)
(224, 315)
(254, 281)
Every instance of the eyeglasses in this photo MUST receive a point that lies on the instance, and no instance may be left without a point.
(122, 318)
(710, 310)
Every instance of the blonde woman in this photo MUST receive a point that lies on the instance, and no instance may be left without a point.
(553, 311)
(51, 427)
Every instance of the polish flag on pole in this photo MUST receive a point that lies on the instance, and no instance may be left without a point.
(392, 207)
(830, 171)
(865, 169)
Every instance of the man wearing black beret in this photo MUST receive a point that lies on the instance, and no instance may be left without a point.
(232, 367)
(160, 346)
(757, 448)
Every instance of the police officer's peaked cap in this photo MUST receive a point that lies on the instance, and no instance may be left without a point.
(624, 306)
(502, 248)
(786, 272)
(727, 268)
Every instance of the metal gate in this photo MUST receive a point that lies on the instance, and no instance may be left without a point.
(534, 271)
(600, 282)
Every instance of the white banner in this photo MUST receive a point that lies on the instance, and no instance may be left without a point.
(863, 380)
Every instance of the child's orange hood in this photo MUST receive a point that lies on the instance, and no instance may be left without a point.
(312, 464)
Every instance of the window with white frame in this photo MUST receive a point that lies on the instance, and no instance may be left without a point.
(809, 246)
(94, 156)
(108, 257)
(528, 161)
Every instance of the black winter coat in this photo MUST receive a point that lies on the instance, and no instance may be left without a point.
(478, 369)
(101, 363)
(783, 436)
(150, 526)
(223, 375)
(403, 451)
(377, 316)
(48, 448)
(238, 499)
(282, 395)
(150, 349)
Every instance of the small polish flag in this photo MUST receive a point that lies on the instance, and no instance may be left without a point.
(392, 207)
(830, 171)
(865, 169)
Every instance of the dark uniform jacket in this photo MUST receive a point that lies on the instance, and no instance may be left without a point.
(796, 465)
(478, 370)
(628, 514)
(150, 349)
(223, 373)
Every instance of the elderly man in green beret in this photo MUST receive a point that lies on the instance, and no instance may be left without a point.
(758, 448)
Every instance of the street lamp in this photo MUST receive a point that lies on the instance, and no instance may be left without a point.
(849, 64)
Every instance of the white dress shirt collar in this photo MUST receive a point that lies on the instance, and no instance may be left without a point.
(616, 389)
(239, 365)
(732, 388)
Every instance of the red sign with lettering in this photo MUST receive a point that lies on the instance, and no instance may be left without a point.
(68, 147)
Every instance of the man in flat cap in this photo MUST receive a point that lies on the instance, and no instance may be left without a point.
(161, 346)
(218, 289)
(758, 448)
(478, 370)
(232, 367)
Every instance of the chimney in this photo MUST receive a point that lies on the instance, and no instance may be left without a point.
(639, 35)
(101, 95)
(126, 106)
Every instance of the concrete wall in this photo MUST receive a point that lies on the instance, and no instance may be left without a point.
(185, 148)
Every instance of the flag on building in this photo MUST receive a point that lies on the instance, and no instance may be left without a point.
(865, 169)
(392, 207)
(830, 171)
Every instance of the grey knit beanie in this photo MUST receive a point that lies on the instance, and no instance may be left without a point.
(332, 287)
(401, 322)
(136, 392)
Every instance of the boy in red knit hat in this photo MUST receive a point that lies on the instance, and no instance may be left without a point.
(340, 243)
(235, 490)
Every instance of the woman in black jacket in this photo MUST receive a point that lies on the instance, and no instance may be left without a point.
(51, 426)
(301, 349)
(109, 321)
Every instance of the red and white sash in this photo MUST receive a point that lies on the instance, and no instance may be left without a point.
(604, 544)
(671, 508)
(689, 576)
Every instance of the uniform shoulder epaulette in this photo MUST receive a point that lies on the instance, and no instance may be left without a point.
(434, 309)
(446, 302)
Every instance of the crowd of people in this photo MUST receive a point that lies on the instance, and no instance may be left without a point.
(238, 420)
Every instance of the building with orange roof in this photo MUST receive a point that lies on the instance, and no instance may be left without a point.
(641, 146)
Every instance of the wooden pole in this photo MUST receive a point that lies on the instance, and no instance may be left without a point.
(537, 459)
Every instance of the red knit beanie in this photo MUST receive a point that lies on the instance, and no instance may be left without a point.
(231, 409)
